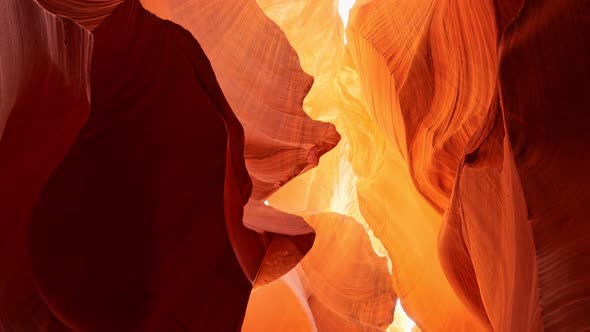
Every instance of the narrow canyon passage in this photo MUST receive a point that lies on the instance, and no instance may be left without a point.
(294, 165)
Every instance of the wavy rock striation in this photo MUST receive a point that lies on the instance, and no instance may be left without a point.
(520, 192)
(150, 182)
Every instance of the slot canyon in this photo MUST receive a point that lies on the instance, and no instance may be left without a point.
(294, 165)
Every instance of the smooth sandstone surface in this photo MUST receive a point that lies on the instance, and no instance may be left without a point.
(263, 82)
(44, 102)
(273, 165)
(149, 150)
(432, 94)
(351, 291)
(117, 237)
(530, 225)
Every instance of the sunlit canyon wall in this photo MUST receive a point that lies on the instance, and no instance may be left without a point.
(274, 165)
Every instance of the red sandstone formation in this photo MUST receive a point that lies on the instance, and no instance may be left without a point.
(44, 101)
(351, 291)
(160, 167)
(520, 194)
(149, 182)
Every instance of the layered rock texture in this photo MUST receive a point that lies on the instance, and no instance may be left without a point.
(271, 165)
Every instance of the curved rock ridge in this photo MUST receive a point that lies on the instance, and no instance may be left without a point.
(119, 232)
(368, 176)
(263, 82)
(351, 291)
(315, 31)
(265, 86)
(530, 157)
(121, 120)
(44, 102)
(150, 182)
(441, 59)
(404, 222)
(425, 90)
(360, 87)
